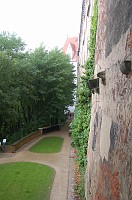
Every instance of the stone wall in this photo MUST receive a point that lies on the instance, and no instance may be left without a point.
(109, 173)
(17, 145)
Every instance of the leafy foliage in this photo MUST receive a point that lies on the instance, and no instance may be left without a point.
(81, 124)
(36, 87)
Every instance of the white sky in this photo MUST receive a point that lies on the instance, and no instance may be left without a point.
(37, 21)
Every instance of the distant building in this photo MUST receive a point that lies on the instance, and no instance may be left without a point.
(71, 48)
(84, 36)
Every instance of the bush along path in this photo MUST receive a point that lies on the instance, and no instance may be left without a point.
(73, 185)
(62, 162)
(80, 125)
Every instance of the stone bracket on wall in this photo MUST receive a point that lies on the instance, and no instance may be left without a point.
(102, 75)
(126, 67)
(93, 85)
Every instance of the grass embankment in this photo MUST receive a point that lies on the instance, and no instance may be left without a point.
(25, 181)
(48, 145)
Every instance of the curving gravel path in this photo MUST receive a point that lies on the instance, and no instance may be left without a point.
(62, 162)
(70, 190)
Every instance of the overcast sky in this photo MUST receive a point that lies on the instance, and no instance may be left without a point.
(37, 21)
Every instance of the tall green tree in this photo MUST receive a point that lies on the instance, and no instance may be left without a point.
(36, 87)
(55, 82)
(10, 52)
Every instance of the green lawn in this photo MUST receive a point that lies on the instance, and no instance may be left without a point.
(25, 181)
(48, 145)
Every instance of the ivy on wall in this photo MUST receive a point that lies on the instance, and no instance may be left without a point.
(80, 125)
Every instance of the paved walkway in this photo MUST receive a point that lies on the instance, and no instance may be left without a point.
(61, 162)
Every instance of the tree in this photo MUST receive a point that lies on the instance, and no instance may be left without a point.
(55, 83)
(36, 87)
(10, 50)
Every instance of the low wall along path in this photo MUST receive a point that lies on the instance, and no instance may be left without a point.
(59, 161)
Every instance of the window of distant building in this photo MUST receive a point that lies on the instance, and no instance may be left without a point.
(69, 51)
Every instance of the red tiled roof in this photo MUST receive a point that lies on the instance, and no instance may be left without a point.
(74, 45)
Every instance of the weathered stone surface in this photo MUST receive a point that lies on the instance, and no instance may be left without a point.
(119, 18)
(109, 161)
(97, 127)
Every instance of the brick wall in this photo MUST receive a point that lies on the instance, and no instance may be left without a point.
(109, 174)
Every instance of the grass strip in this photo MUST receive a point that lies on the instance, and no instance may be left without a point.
(48, 145)
(25, 181)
